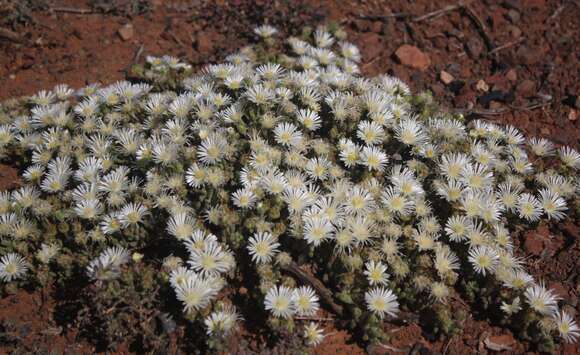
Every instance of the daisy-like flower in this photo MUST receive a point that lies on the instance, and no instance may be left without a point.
(509, 194)
(541, 299)
(305, 301)
(12, 267)
(133, 214)
(349, 152)
(529, 207)
(221, 323)
(446, 261)
(370, 132)
(350, 51)
(195, 292)
(373, 158)
(410, 132)
(265, 31)
(260, 95)
(279, 302)
(541, 147)
(376, 273)
(397, 203)
(317, 230)
(107, 265)
(569, 157)
(567, 327)
(313, 335)
(47, 252)
(552, 204)
(181, 225)
(318, 168)
(404, 180)
(89, 209)
(287, 134)
(439, 291)
(359, 201)
(483, 259)
(263, 247)
(309, 119)
(511, 308)
(244, 198)
(211, 260)
(476, 176)
(381, 301)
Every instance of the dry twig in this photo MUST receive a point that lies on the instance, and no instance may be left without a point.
(324, 293)
(439, 12)
(507, 45)
(11, 36)
(73, 10)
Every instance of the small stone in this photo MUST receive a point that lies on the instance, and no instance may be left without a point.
(534, 243)
(413, 57)
(526, 88)
(513, 15)
(572, 115)
(482, 86)
(438, 89)
(204, 42)
(370, 45)
(500, 342)
(515, 31)
(512, 75)
(126, 32)
(528, 56)
(474, 48)
(577, 102)
(445, 77)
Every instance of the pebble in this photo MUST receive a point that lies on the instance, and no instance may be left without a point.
(474, 48)
(413, 57)
(526, 88)
(512, 75)
(126, 32)
(482, 86)
(445, 77)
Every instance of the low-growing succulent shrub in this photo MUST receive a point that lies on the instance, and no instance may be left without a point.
(267, 187)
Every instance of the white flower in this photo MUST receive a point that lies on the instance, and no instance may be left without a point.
(370, 132)
(541, 299)
(317, 230)
(376, 273)
(265, 31)
(107, 265)
(382, 301)
(483, 259)
(133, 214)
(569, 157)
(309, 119)
(313, 334)
(305, 301)
(222, 322)
(529, 207)
(567, 327)
(12, 267)
(374, 158)
(410, 132)
(211, 259)
(262, 247)
(279, 302)
(552, 204)
(195, 292)
(181, 225)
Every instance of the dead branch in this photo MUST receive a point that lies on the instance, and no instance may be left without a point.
(439, 12)
(73, 10)
(324, 293)
(507, 45)
(480, 26)
(11, 36)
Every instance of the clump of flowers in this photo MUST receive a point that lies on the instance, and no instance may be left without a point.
(283, 158)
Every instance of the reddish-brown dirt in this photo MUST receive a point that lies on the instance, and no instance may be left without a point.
(510, 61)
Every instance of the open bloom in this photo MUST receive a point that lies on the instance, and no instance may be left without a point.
(279, 301)
(382, 301)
